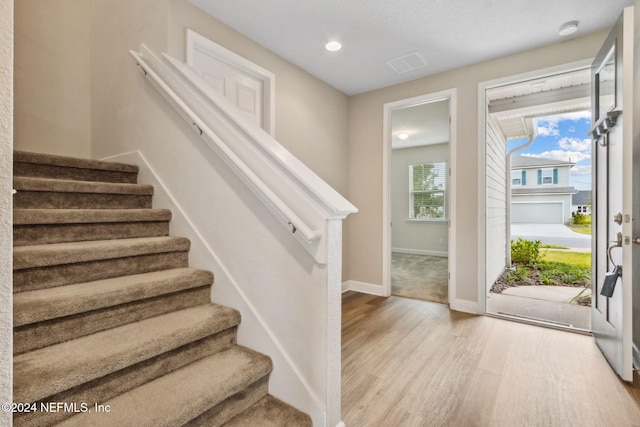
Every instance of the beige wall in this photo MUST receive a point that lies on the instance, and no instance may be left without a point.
(52, 77)
(6, 171)
(365, 157)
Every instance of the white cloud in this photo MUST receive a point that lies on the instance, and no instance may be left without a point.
(575, 144)
(548, 129)
(548, 125)
(581, 170)
(562, 155)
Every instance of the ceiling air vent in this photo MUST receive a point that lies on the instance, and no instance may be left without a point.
(409, 62)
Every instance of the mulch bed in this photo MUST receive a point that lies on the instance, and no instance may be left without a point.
(534, 278)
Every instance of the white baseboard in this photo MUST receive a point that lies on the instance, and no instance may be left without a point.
(464, 305)
(443, 254)
(363, 287)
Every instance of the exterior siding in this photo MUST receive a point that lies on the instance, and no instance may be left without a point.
(496, 203)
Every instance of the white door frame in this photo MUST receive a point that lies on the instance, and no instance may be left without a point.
(482, 160)
(386, 187)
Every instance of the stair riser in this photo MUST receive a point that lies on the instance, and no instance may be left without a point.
(25, 199)
(105, 388)
(38, 234)
(234, 405)
(48, 277)
(79, 174)
(42, 334)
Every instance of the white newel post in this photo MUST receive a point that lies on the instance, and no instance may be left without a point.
(334, 322)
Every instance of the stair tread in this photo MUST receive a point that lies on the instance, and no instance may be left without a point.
(86, 216)
(45, 304)
(46, 371)
(67, 161)
(72, 252)
(270, 412)
(194, 389)
(23, 183)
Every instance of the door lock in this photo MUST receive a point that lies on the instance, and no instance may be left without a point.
(617, 218)
(636, 240)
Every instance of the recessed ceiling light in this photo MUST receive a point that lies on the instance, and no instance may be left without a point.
(333, 46)
(403, 135)
(568, 28)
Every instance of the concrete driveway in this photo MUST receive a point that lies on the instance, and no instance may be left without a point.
(551, 234)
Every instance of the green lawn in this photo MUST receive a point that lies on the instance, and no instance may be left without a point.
(580, 259)
(582, 224)
(582, 229)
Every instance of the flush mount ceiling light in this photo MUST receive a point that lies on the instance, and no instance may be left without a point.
(568, 28)
(333, 46)
(403, 135)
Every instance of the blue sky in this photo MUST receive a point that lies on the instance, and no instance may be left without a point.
(564, 137)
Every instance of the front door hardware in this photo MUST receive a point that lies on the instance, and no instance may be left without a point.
(602, 127)
(610, 280)
(617, 218)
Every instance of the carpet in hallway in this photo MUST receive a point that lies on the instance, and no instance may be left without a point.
(422, 277)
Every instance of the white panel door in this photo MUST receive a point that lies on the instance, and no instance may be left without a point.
(612, 77)
(244, 91)
(246, 85)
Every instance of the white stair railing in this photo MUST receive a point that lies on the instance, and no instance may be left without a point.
(294, 194)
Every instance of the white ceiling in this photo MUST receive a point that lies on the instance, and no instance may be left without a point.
(446, 33)
(425, 124)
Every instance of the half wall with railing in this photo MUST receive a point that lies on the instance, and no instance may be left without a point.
(310, 214)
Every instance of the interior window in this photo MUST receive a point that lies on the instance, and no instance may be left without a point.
(427, 191)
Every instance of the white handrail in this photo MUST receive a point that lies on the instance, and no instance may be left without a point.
(296, 196)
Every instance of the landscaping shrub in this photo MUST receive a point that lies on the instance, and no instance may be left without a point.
(519, 274)
(580, 219)
(525, 252)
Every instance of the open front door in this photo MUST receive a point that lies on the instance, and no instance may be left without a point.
(612, 79)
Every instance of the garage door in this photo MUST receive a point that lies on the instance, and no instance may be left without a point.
(537, 213)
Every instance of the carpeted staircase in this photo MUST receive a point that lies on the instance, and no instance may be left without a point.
(111, 325)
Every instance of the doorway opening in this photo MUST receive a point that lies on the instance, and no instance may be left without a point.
(538, 200)
(419, 197)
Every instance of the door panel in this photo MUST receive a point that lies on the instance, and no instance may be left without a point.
(241, 90)
(248, 86)
(611, 106)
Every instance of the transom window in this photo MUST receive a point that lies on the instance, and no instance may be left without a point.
(427, 191)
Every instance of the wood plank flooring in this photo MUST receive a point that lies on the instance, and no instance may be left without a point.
(415, 363)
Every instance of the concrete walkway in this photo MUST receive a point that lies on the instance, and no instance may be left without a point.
(542, 303)
(551, 234)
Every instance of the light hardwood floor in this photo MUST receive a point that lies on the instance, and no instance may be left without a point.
(415, 363)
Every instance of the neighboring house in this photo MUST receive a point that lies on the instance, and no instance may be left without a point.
(540, 190)
(581, 202)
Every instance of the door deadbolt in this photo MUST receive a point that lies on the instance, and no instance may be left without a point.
(617, 218)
